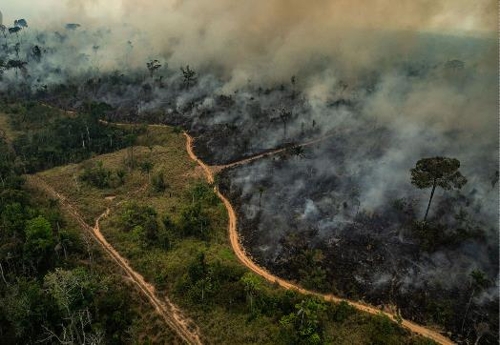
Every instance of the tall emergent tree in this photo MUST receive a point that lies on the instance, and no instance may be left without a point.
(153, 65)
(189, 76)
(437, 171)
(252, 286)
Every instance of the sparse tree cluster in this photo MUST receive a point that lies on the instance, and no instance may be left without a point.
(51, 139)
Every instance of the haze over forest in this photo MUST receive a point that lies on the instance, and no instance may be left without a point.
(383, 83)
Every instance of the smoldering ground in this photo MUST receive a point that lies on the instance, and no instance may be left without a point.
(391, 83)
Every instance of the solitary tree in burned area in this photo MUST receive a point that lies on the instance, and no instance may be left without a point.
(189, 76)
(153, 65)
(437, 171)
(3, 30)
(21, 23)
(284, 116)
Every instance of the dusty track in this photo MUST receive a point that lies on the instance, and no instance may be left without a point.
(243, 257)
(168, 311)
(269, 153)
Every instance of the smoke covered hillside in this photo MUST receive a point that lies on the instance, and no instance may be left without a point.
(340, 215)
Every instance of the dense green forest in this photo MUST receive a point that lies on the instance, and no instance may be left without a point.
(50, 137)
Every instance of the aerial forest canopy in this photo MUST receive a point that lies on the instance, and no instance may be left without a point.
(386, 187)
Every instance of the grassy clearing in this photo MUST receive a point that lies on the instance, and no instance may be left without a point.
(201, 274)
(166, 159)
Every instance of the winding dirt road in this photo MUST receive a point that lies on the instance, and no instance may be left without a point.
(243, 257)
(238, 249)
(170, 313)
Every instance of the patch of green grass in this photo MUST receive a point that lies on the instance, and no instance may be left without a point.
(227, 254)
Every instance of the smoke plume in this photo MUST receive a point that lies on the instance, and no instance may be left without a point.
(388, 83)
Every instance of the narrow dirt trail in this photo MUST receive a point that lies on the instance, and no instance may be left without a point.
(269, 153)
(242, 256)
(170, 313)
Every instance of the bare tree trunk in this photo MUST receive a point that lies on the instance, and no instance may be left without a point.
(88, 246)
(3, 277)
(88, 134)
(467, 309)
(430, 200)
